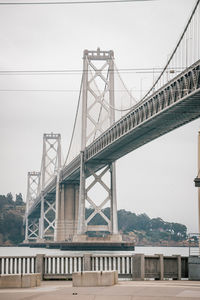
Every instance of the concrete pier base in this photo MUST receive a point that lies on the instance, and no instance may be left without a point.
(108, 238)
(83, 246)
(67, 212)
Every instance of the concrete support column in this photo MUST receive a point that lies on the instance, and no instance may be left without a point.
(61, 214)
(87, 262)
(26, 229)
(138, 267)
(113, 208)
(57, 215)
(69, 211)
(66, 211)
(81, 219)
(161, 266)
(76, 204)
(178, 267)
(62, 202)
(41, 221)
(40, 264)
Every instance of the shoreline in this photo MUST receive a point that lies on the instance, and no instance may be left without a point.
(145, 246)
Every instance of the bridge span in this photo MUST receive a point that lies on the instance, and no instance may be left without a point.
(56, 200)
(174, 105)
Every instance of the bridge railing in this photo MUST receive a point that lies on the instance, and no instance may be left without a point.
(136, 267)
(62, 266)
(17, 265)
(120, 263)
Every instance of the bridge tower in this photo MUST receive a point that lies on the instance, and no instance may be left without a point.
(51, 164)
(32, 223)
(98, 114)
(40, 221)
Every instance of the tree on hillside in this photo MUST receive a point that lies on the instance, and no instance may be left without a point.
(19, 199)
(9, 197)
(6, 200)
(157, 223)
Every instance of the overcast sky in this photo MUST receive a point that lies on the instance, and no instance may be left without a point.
(157, 178)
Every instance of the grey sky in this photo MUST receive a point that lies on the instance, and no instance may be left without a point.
(156, 178)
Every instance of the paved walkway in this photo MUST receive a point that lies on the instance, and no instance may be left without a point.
(126, 290)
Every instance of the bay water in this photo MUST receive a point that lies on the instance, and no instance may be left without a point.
(26, 251)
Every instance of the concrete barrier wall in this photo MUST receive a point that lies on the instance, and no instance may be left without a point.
(95, 278)
(20, 281)
(10, 281)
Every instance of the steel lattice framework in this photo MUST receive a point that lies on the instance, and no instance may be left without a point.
(98, 92)
(43, 225)
(32, 225)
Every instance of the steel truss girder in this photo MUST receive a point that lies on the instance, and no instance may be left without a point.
(98, 208)
(33, 229)
(50, 223)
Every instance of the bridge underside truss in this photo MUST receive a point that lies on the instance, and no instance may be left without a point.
(100, 185)
(32, 229)
(49, 219)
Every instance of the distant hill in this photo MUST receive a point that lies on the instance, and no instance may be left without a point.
(11, 219)
(139, 228)
(145, 230)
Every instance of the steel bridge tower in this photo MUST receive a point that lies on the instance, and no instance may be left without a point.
(97, 112)
(31, 223)
(40, 224)
(97, 91)
(61, 215)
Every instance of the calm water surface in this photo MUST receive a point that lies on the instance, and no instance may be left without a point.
(26, 251)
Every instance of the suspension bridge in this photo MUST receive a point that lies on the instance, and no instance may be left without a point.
(57, 195)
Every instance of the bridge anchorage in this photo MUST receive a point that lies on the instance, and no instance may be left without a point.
(56, 203)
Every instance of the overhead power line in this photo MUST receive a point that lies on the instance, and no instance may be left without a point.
(71, 2)
(73, 71)
(70, 91)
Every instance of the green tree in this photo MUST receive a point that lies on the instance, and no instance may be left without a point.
(19, 199)
(9, 197)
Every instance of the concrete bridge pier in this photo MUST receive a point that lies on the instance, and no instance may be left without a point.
(66, 212)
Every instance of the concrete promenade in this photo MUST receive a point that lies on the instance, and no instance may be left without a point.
(124, 290)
